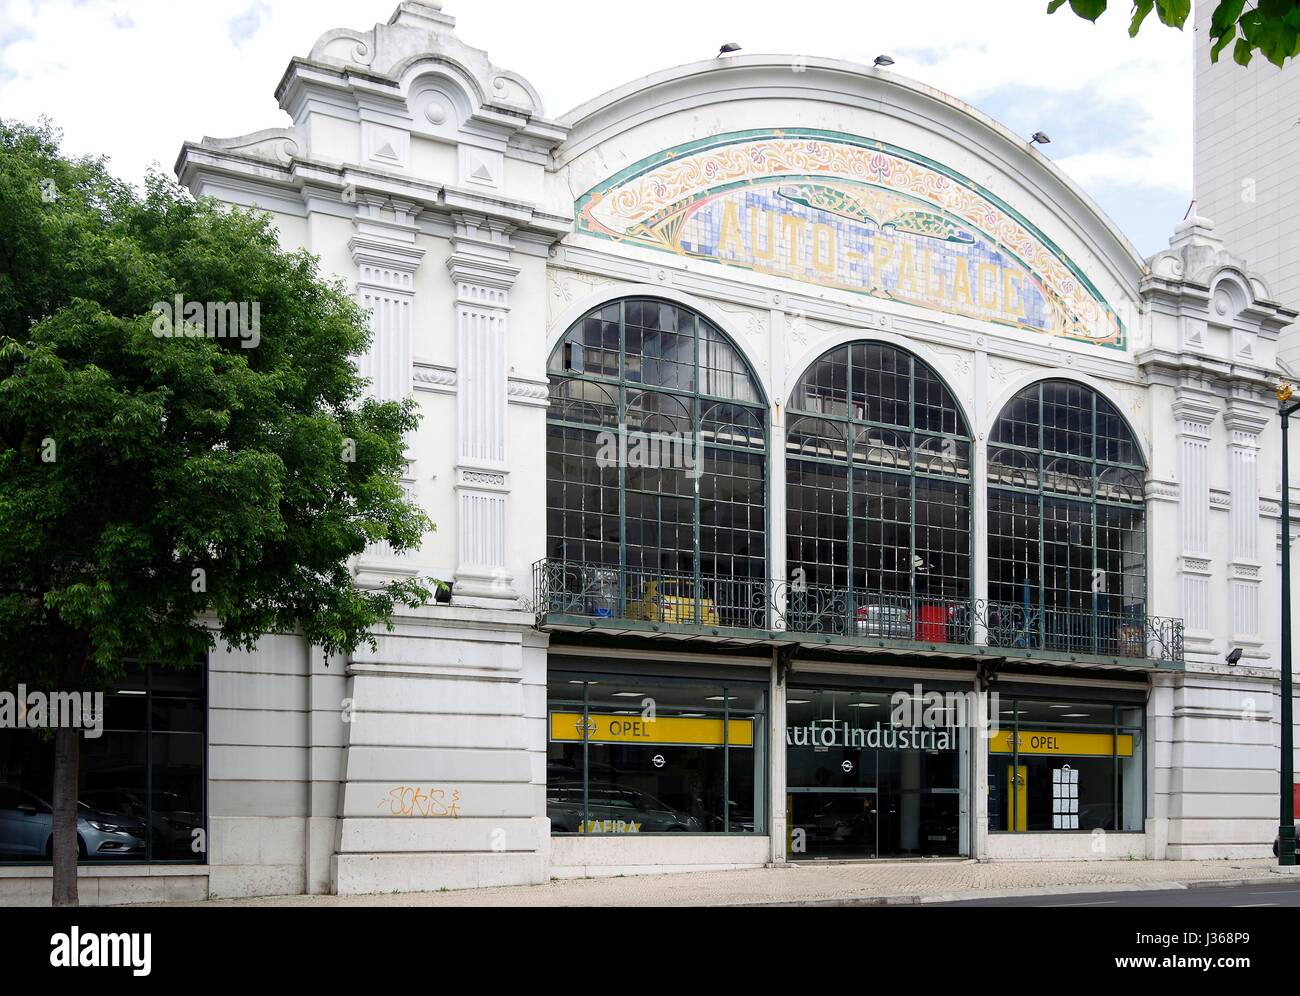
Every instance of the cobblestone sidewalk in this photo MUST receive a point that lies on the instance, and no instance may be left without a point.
(883, 882)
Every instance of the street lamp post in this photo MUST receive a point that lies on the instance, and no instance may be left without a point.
(1286, 819)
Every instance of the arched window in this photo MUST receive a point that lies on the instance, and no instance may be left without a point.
(1067, 524)
(657, 468)
(877, 498)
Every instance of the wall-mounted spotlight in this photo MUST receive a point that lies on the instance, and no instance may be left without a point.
(1039, 138)
(882, 60)
(1234, 655)
(727, 49)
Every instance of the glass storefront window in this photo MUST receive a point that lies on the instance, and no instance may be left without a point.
(646, 755)
(141, 781)
(1066, 524)
(860, 786)
(652, 537)
(1062, 766)
(877, 496)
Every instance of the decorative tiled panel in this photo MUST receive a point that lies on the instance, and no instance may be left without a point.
(855, 214)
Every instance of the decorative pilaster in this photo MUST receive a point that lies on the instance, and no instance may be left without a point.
(387, 257)
(1194, 414)
(979, 513)
(481, 269)
(1244, 422)
(777, 553)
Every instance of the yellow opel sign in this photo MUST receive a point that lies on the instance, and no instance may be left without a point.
(605, 728)
(1062, 743)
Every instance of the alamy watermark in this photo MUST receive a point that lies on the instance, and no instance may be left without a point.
(651, 450)
(181, 319)
(24, 710)
(934, 710)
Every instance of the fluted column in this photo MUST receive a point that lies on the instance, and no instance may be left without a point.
(1244, 422)
(1195, 414)
(482, 272)
(387, 258)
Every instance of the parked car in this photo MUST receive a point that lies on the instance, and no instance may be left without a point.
(612, 809)
(27, 829)
(174, 822)
(887, 620)
(674, 601)
(1277, 845)
(740, 819)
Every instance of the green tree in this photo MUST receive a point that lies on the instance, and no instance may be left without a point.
(160, 490)
(1269, 27)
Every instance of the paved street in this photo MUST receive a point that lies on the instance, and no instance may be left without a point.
(897, 882)
(1265, 894)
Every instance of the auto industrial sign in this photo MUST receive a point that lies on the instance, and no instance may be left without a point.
(881, 735)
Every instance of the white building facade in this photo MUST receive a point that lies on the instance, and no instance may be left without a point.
(938, 429)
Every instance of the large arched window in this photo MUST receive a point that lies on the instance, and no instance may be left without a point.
(657, 468)
(1067, 537)
(877, 498)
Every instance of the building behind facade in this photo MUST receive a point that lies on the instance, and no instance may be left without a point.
(1246, 161)
(817, 471)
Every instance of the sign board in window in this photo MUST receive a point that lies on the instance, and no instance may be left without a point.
(604, 728)
(1054, 742)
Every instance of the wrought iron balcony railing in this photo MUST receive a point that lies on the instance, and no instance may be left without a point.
(601, 594)
(667, 598)
(1105, 634)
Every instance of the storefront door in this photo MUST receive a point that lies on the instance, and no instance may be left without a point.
(860, 786)
(836, 823)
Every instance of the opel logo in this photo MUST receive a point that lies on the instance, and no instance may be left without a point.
(658, 760)
(847, 766)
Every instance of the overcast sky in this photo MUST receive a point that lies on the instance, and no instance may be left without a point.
(134, 78)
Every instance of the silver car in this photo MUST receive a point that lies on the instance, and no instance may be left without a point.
(27, 821)
(878, 619)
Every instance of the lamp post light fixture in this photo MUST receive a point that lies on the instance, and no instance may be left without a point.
(1286, 818)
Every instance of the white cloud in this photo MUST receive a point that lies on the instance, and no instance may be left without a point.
(245, 25)
(183, 70)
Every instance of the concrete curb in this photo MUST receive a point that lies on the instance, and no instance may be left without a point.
(1059, 890)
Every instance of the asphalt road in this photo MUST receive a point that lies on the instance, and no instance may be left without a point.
(1255, 894)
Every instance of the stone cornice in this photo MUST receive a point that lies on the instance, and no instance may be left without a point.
(1194, 412)
(385, 253)
(300, 178)
(1246, 418)
(1173, 369)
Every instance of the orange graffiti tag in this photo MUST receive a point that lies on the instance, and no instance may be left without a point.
(415, 800)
